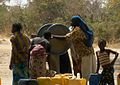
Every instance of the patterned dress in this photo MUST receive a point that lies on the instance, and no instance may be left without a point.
(81, 53)
(108, 70)
(37, 62)
(19, 56)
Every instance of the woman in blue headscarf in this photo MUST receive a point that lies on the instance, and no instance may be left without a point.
(82, 52)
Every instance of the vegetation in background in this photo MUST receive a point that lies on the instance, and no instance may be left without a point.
(102, 15)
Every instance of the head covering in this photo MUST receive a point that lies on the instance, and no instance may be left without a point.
(78, 21)
(75, 21)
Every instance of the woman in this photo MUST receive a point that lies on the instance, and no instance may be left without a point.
(81, 39)
(20, 53)
(39, 52)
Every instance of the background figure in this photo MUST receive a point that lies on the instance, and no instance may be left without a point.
(54, 62)
(65, 66)
(53, 59)
(39, 51)
(103, 59)
(20, 53)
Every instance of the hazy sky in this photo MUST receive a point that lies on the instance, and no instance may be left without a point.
(23, 3)
(16, 2)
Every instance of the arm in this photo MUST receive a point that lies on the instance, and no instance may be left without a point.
(13, 54)
(31, 45)
(98, 63)
(116, 56)
(12, 60)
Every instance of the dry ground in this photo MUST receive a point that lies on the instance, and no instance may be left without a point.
(5, 73)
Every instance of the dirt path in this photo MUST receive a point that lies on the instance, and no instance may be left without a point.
(6, 74)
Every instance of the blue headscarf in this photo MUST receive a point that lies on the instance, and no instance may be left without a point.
(77, 21)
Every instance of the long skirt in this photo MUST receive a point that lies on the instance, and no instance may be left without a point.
(88, 65)
(107, 75)
(84, 65)
(20, 71)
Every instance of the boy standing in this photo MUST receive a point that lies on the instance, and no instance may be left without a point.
(103, 59)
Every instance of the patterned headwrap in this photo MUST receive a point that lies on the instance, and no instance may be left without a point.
(77, 21)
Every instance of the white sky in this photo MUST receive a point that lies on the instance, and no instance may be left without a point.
(24, 3)
(16, 2)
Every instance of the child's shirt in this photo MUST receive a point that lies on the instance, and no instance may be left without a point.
(104, 58)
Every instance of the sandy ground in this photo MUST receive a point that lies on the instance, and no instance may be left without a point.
(6, 74)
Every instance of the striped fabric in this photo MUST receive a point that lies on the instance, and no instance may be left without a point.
(20, 47)
(104, 58)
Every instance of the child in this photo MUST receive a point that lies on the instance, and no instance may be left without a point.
(37, 62)
(39, 51)
(103, 59)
